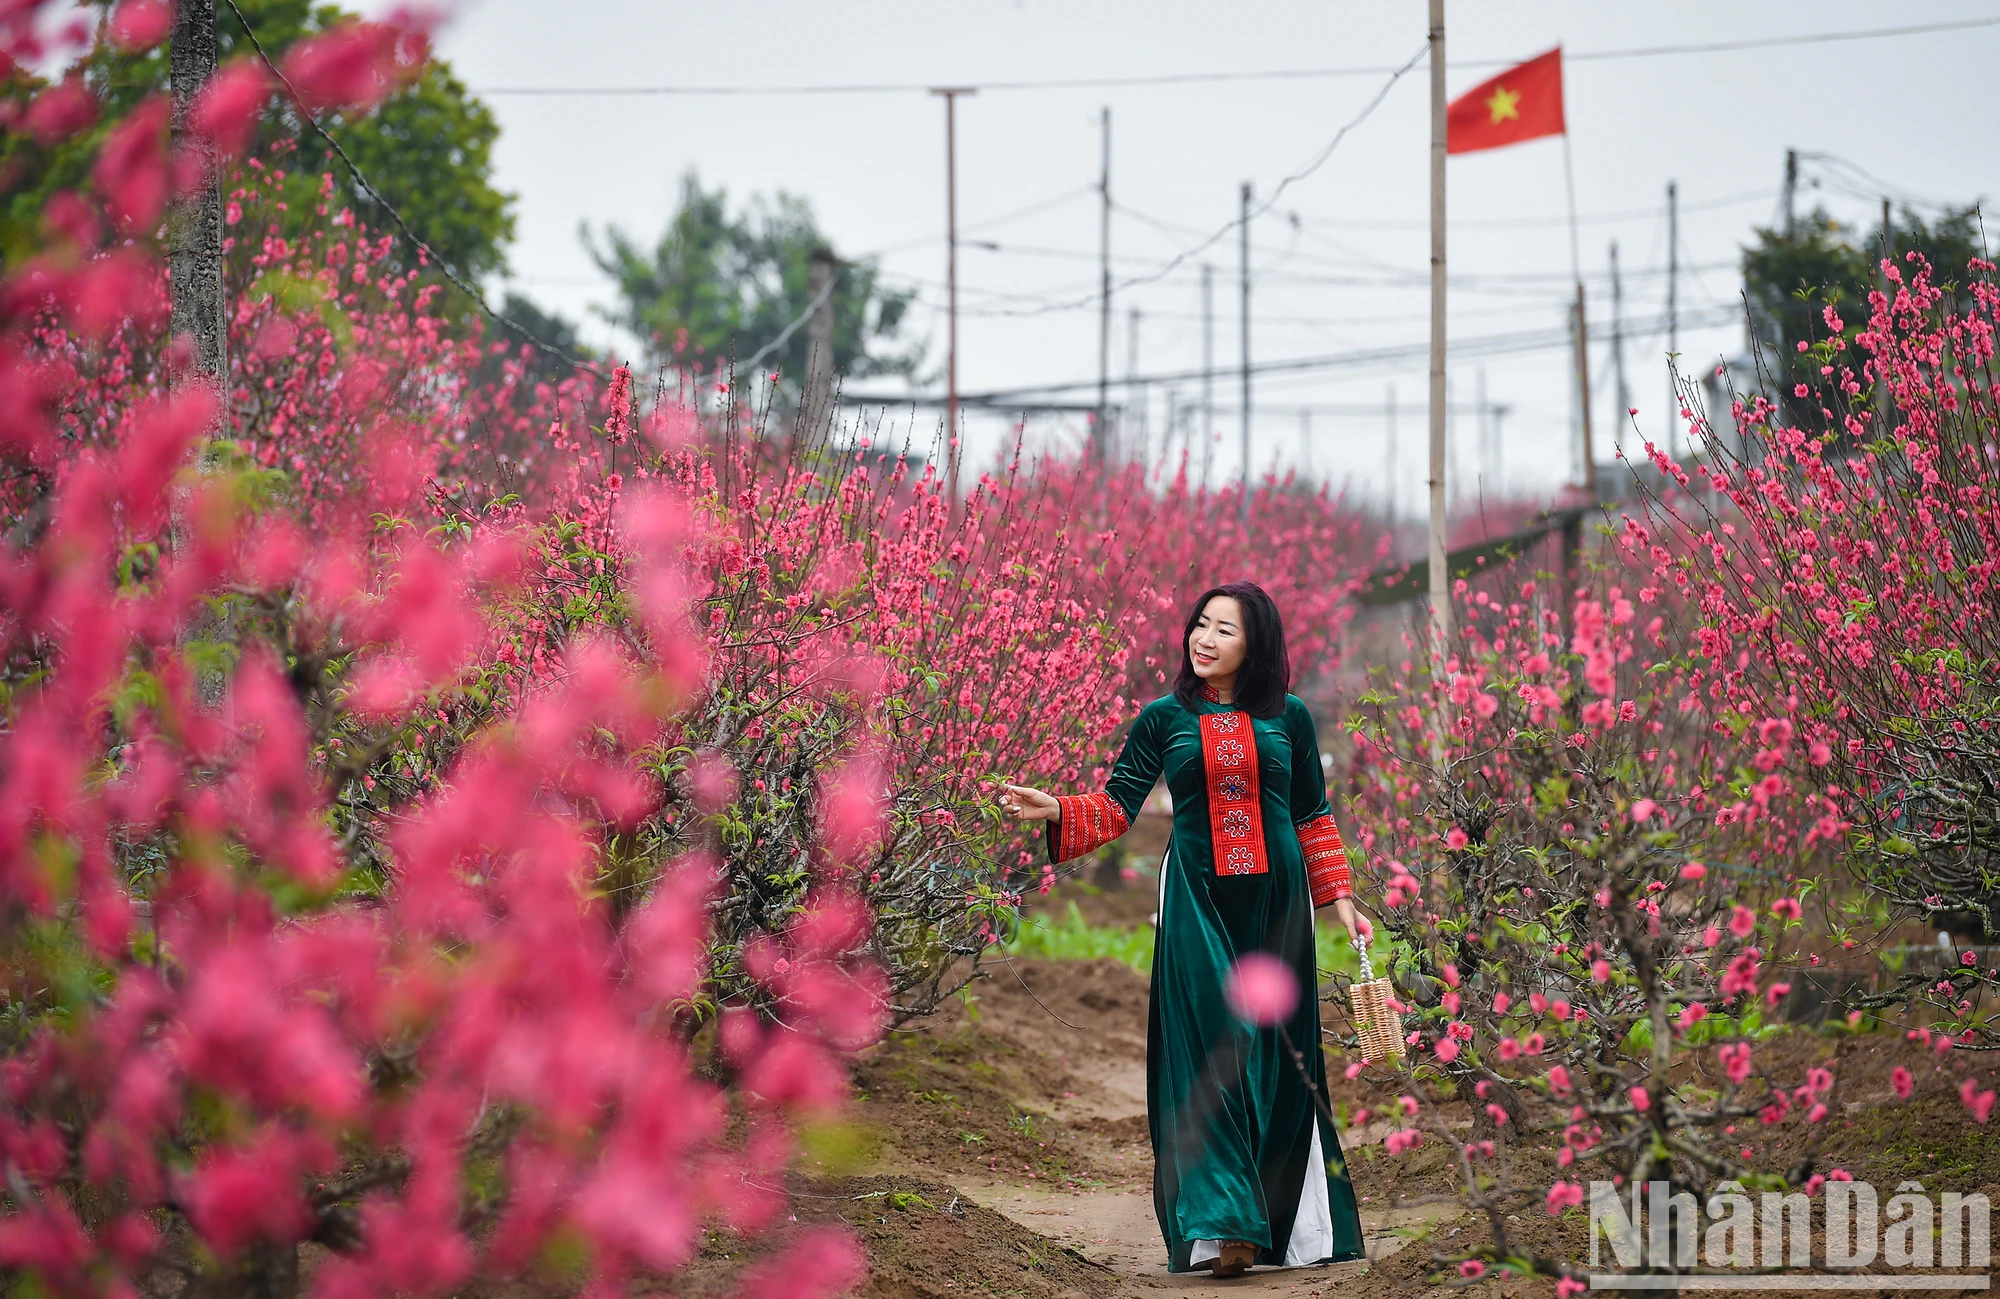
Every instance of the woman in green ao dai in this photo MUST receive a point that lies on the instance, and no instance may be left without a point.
(1247, 1169)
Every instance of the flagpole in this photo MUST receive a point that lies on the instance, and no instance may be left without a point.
(1440, 580)
(1582, 328)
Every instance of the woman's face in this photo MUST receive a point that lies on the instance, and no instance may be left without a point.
(1217, 645)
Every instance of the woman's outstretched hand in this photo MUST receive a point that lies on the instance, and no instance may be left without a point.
(1356, 924)
(1029, 804)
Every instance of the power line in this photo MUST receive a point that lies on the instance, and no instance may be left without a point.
(1485, 345)
(1871, 187)
(921, 241)
(1772, 42)
(1276, 74)
(1057, 299)
(445, 267)
(1530, 223)
(1252, 214)
(361, 181)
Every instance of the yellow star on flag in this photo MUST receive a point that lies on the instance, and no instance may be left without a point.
(1502, 105)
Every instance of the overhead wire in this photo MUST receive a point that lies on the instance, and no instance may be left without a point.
(1517, 285)
(443, 264)
(1270, 201)
(1275, 74)
(1464, 347)
(1870, 187)
(361, 181)
(987, 223)
(1355, 256)
(1554, 220)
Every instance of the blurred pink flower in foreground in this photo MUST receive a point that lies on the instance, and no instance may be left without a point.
(1262, 989)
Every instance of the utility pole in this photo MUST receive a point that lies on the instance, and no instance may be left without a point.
(1098, 433)
(1389, 458)
(1583, 396)
(198, 311)
(1485, 430)
(1135, 400)
(951, 94)
(816, 405)
(1791, 188)
(1305, 443)
(1207, 372)
(1883, 419)
(1243, 258)
(1454, 447)
(1440, 584)
(1623, 393)
(1582, 339)
(1673, 318)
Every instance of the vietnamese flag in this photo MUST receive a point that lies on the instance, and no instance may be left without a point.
(1523, 103)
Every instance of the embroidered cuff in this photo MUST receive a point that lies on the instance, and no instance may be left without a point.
(1089, 821)
(1326, 860)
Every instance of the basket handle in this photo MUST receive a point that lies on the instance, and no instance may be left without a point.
(1361, 950)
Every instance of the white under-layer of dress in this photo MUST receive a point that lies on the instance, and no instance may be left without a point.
(1312, 1228)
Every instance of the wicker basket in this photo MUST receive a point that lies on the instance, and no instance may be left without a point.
(1378, 1027)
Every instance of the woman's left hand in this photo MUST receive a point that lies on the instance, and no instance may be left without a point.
(1358, 928)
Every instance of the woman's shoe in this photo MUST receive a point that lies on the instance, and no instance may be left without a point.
(1235, 1258)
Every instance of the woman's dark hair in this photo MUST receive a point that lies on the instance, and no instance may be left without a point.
(1266, 675)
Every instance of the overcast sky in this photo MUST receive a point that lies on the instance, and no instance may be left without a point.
(1338, 264)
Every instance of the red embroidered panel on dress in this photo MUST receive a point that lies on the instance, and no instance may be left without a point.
(1326, 860)
(1235, 803)
(1089, 821)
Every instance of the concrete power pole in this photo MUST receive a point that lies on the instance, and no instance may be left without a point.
(1389, 456)
(951, 432)
(1791, 189)
(1454, 448)
(1207, 421)
(1482, 415)
(194, 230)
(816, 409)
(1134, 443)
(1099, 435)
(1588, 452)
(1673, 317)
(1244, 265)
(1884, 417)
(1440, 580)
(1623, 393)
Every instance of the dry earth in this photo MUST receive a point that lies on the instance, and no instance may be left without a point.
(1032, 1103)
(1020, 1113)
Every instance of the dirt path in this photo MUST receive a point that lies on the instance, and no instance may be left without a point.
(1032, 1103)
(1116, 1227)
(1114, 1223)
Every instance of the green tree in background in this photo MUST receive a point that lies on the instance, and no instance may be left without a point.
(717, 285)
(428, 148)
(1789, 280)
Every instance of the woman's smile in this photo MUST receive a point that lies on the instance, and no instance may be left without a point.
(1216, 645)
